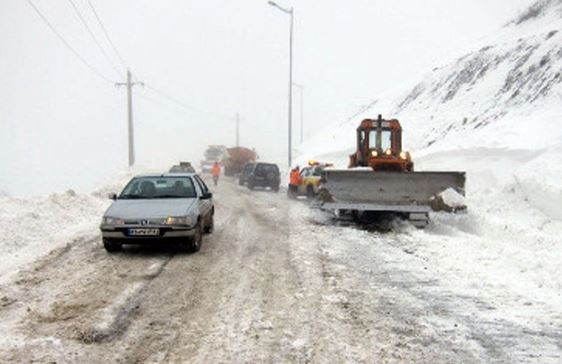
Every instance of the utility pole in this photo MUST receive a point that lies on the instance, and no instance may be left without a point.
(301, 89)
(289, 12)
(291, 90)
(237, 130)
(129, 84)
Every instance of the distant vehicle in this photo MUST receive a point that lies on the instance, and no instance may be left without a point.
(246, 171)
(206, 167)
(183, 167)
(214, 153)
(262, 175)
(235, 159)
(311, 177)
(156, 208)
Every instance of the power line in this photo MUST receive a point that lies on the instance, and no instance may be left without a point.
(123, 63)
(67, 45)
(102, 49)
(184, 105)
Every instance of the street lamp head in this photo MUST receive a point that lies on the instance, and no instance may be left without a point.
(274, 4)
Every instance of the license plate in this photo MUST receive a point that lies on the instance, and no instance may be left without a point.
(144, 232)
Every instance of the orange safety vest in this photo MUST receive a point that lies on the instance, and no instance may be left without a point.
(216, 170)
(295, 178)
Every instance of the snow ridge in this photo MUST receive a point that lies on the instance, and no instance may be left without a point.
(517, 74)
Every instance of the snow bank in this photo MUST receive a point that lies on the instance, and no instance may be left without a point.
(34, 226)
(540, 181)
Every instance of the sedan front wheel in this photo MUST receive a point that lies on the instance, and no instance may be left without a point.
(197, 239)
(111, 246)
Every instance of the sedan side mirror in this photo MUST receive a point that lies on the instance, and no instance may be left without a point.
(112, 196)
(206, 196)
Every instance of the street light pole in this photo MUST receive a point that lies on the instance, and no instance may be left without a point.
(301, 89)
(290, 116)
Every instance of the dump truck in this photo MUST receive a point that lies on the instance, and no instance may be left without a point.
(381, 178)
(235, 158)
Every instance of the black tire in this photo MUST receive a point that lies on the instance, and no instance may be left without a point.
(111, 246)
(251, 185)
(310, 192)
(275, 188)
(240, 182)
(211, 225)
(196, 241)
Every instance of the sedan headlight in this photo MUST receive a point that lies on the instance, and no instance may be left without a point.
(179, 220)
(112, 221)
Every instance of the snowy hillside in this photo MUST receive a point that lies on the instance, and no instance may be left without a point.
(506, 94)
(491, 95)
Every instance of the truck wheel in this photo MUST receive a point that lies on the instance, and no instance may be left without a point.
(251, 185)
(275, 188)
(111, 246)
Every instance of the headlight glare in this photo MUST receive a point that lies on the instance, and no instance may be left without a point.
(388, 151)
(403, 155)
(374, 154)
(179, 220)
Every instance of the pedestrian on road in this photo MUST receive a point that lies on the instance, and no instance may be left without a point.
(294, 181)
(216, 172)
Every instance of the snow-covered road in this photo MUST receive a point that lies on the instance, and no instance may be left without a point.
(277, 282)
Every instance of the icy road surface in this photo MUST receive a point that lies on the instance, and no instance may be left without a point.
(277, 283)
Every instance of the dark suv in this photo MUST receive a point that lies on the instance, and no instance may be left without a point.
(260, 175)
(246, 171)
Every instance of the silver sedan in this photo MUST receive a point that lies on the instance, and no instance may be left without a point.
(153, 208)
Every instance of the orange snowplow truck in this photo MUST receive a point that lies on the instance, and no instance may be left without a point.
(379, 146)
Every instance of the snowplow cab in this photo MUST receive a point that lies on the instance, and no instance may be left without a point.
(379, 146)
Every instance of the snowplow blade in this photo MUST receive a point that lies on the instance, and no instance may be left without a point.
(366, 190)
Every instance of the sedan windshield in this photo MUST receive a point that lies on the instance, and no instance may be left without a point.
(159, 187)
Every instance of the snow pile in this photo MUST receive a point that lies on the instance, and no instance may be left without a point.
(452, 198)
(34, 226)
(540, 181)
(449, 201)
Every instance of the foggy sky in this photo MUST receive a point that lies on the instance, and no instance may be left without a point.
(61, 126)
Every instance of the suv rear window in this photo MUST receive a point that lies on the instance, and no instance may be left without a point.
(267, 168)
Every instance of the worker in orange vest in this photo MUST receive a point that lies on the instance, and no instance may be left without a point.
(294, 181)
(216, 172)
